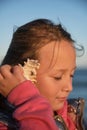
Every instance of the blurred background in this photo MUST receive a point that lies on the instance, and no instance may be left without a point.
(71, 13)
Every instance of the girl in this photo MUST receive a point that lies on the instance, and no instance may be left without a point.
(43, 104)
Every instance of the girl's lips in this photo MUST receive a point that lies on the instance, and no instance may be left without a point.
(61, 98)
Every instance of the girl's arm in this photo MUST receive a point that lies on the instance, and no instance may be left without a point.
(32, 110)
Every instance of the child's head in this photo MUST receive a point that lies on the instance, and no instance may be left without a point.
(53, 47)
(29, 38)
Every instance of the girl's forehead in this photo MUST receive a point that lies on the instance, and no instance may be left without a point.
(47, 53)
(53, 49)
(58, 54)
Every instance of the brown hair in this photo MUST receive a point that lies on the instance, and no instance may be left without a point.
(29, 38)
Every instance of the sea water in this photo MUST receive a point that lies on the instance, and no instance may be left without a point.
(80, 87)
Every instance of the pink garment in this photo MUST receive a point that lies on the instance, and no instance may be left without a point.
(33, 111)
(63, 113)
(2, 126)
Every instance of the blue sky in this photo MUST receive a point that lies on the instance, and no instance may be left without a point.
(71, 13)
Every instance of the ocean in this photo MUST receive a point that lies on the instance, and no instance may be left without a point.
(80, 86)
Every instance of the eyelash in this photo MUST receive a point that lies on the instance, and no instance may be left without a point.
(59, 78)
(72, 76)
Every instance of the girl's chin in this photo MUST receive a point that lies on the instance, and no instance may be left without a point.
(58, 107)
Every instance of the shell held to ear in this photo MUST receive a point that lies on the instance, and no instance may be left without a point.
(30, 69)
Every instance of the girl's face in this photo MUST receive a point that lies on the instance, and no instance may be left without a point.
(54, 77)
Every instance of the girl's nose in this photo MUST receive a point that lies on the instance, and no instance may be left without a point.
(68, 86)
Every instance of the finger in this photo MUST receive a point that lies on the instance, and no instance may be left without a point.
(18, 72)
(17, 69)
(5, 71)
(1, 77)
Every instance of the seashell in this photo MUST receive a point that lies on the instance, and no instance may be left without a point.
(30, 69)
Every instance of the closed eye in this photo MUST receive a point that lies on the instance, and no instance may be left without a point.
(72, 76)
(57, 78)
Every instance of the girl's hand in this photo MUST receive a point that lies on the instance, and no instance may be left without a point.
(10, 77)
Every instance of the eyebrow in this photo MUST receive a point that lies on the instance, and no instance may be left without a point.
(62, 70)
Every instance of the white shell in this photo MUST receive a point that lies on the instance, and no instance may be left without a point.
(30, 69)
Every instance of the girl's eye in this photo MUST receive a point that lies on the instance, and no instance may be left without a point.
(71, 76)
(57, 78)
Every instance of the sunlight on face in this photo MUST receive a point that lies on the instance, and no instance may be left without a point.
(54, 80)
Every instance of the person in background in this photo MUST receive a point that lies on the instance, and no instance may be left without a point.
(43, 104)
